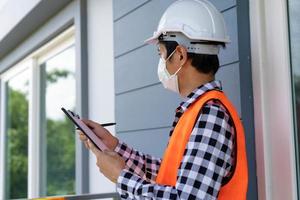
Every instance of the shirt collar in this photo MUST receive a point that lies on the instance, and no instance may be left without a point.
(213, 85)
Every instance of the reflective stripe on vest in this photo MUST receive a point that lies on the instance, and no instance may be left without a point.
(236, 187)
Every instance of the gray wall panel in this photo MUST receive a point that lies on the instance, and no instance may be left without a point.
(137, 69)
(230, 53)
(150, 107)
(132, 30)
(144, 109)
(223, 4)
(123, 7)
(145, 66)
(229, 75)
(150, 138)
(136, 82)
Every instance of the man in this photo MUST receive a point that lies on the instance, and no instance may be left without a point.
(205, 157)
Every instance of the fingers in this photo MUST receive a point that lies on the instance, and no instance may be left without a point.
(93, 148)
(90, 123)
(96, 128)
(83, 138)
(110, 153)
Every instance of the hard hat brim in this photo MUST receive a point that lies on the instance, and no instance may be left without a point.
(153, 39)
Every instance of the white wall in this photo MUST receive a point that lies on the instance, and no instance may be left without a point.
(101, 78)
(275, 151)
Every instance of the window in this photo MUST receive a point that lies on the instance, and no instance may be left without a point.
(16, 135)
(32, 94)
(58, 89)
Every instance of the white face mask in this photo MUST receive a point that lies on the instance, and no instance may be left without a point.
(169, 81)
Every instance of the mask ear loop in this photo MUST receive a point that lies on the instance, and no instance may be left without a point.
(169, 58)
(170, 55)
(177, 71)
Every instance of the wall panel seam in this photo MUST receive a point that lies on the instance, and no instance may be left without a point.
(143, 129)
(131, 11)
(158, 83)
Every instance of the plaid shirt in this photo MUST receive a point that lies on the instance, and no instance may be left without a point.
(208, 158)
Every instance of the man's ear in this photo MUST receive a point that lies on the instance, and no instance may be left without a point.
(182, 54)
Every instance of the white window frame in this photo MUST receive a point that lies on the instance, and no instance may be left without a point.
(37, 184)
(36, 172)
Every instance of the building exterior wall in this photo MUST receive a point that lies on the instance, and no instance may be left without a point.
(119, 81)
(271, 72)
(144, 109)
(101, 79)
(53, 19)
(15, 17)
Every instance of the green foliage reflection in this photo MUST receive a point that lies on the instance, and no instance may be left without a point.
(17, 137)
(60, 147)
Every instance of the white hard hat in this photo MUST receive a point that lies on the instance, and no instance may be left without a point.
(193, 21)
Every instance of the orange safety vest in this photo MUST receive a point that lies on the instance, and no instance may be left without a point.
(236, 187)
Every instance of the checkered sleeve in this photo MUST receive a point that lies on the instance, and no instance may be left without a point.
(206, 162)
(144, 165)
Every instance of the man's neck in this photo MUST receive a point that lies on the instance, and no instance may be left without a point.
(193, 80)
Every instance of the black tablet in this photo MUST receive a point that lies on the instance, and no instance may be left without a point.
(85, 129)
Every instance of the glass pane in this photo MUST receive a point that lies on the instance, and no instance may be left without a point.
(17, 136)
(58, 76)
(294, 24)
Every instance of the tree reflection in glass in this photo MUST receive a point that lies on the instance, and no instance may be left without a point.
(17, 136)
(58, 90)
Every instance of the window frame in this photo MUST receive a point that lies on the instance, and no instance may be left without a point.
(33, 63)
(4, 79)
(74, 14)
(38, 165)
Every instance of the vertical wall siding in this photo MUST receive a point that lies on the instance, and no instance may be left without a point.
(144, 109)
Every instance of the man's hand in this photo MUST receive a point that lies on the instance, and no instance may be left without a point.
(109, 162)
(107, 138)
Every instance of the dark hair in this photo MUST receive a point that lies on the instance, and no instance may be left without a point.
(203, 63)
